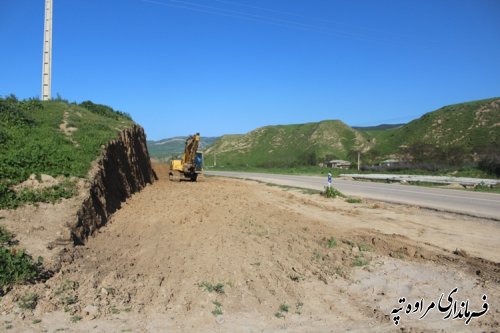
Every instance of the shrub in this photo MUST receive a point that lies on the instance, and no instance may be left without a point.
(17, 266)
(218, 288)
(331, 192)
(28, 301)
(104, 110)
(490, 165)
(5, 236)
(331, 243)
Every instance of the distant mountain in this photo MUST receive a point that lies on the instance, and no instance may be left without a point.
(166, 148)
(378, 127)
(288, 145)
(455, 134)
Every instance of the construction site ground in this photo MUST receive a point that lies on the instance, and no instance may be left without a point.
(226, 255)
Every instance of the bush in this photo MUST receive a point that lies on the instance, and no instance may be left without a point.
(11, 114)
(104, 110)
(331, 192)
(5, 236)
(491, 165)
(16, 266)
(28, 301)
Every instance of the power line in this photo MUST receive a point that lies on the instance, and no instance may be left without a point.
(238, 14)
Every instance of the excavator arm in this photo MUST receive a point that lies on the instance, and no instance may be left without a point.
(191, 163)
(190, 149)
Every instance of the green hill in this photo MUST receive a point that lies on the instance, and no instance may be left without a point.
(54, 138)
(465, 131)
(287, 145)
(466, 134)
(166, 148)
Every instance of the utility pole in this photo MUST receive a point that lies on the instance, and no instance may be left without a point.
(47, 52)
(215, 159)
(359, 160)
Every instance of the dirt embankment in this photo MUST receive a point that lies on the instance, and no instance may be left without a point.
(50, 230)
(224, 255)
(124, 169)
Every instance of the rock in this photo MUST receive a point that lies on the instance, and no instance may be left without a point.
(91, 311)
(46, 306)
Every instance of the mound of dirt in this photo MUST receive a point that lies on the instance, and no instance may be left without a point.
(50, 230)
(224, 255)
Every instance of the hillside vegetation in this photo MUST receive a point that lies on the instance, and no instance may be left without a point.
(52, 138)
(167, 148)
(456, 136)
(472, 127)
(288, 145)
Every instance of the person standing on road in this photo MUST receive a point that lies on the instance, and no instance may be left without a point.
(330, 178)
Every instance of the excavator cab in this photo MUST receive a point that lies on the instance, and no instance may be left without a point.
(198, 162)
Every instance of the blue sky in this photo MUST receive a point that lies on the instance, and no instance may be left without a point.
(230, 66)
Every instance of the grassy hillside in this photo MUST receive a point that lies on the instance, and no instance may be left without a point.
(166, 148)
(287, 145)
(466, 129)
(465, 135)
(54, 138)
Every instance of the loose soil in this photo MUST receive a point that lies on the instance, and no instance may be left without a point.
(225, 255)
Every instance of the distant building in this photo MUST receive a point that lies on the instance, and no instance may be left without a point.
(339, 164)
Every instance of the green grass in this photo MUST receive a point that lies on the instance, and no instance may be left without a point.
(359, 262)
(66, 286)
(353, 200)
(10, 199)
(217, 311)
(16, 267)
(283, 308)
(75, 319)
(6, 237)
(331, 242)
(69, 300)
(28, 301)
(331, 192)
(32, 143)
(218, 287)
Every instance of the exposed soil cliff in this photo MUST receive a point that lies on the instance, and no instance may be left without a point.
(124, 169)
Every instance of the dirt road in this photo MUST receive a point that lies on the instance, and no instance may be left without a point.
(224, 255)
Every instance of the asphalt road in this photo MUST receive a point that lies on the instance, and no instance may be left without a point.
(471, 203)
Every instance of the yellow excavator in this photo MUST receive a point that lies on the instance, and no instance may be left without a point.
(191, 164)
